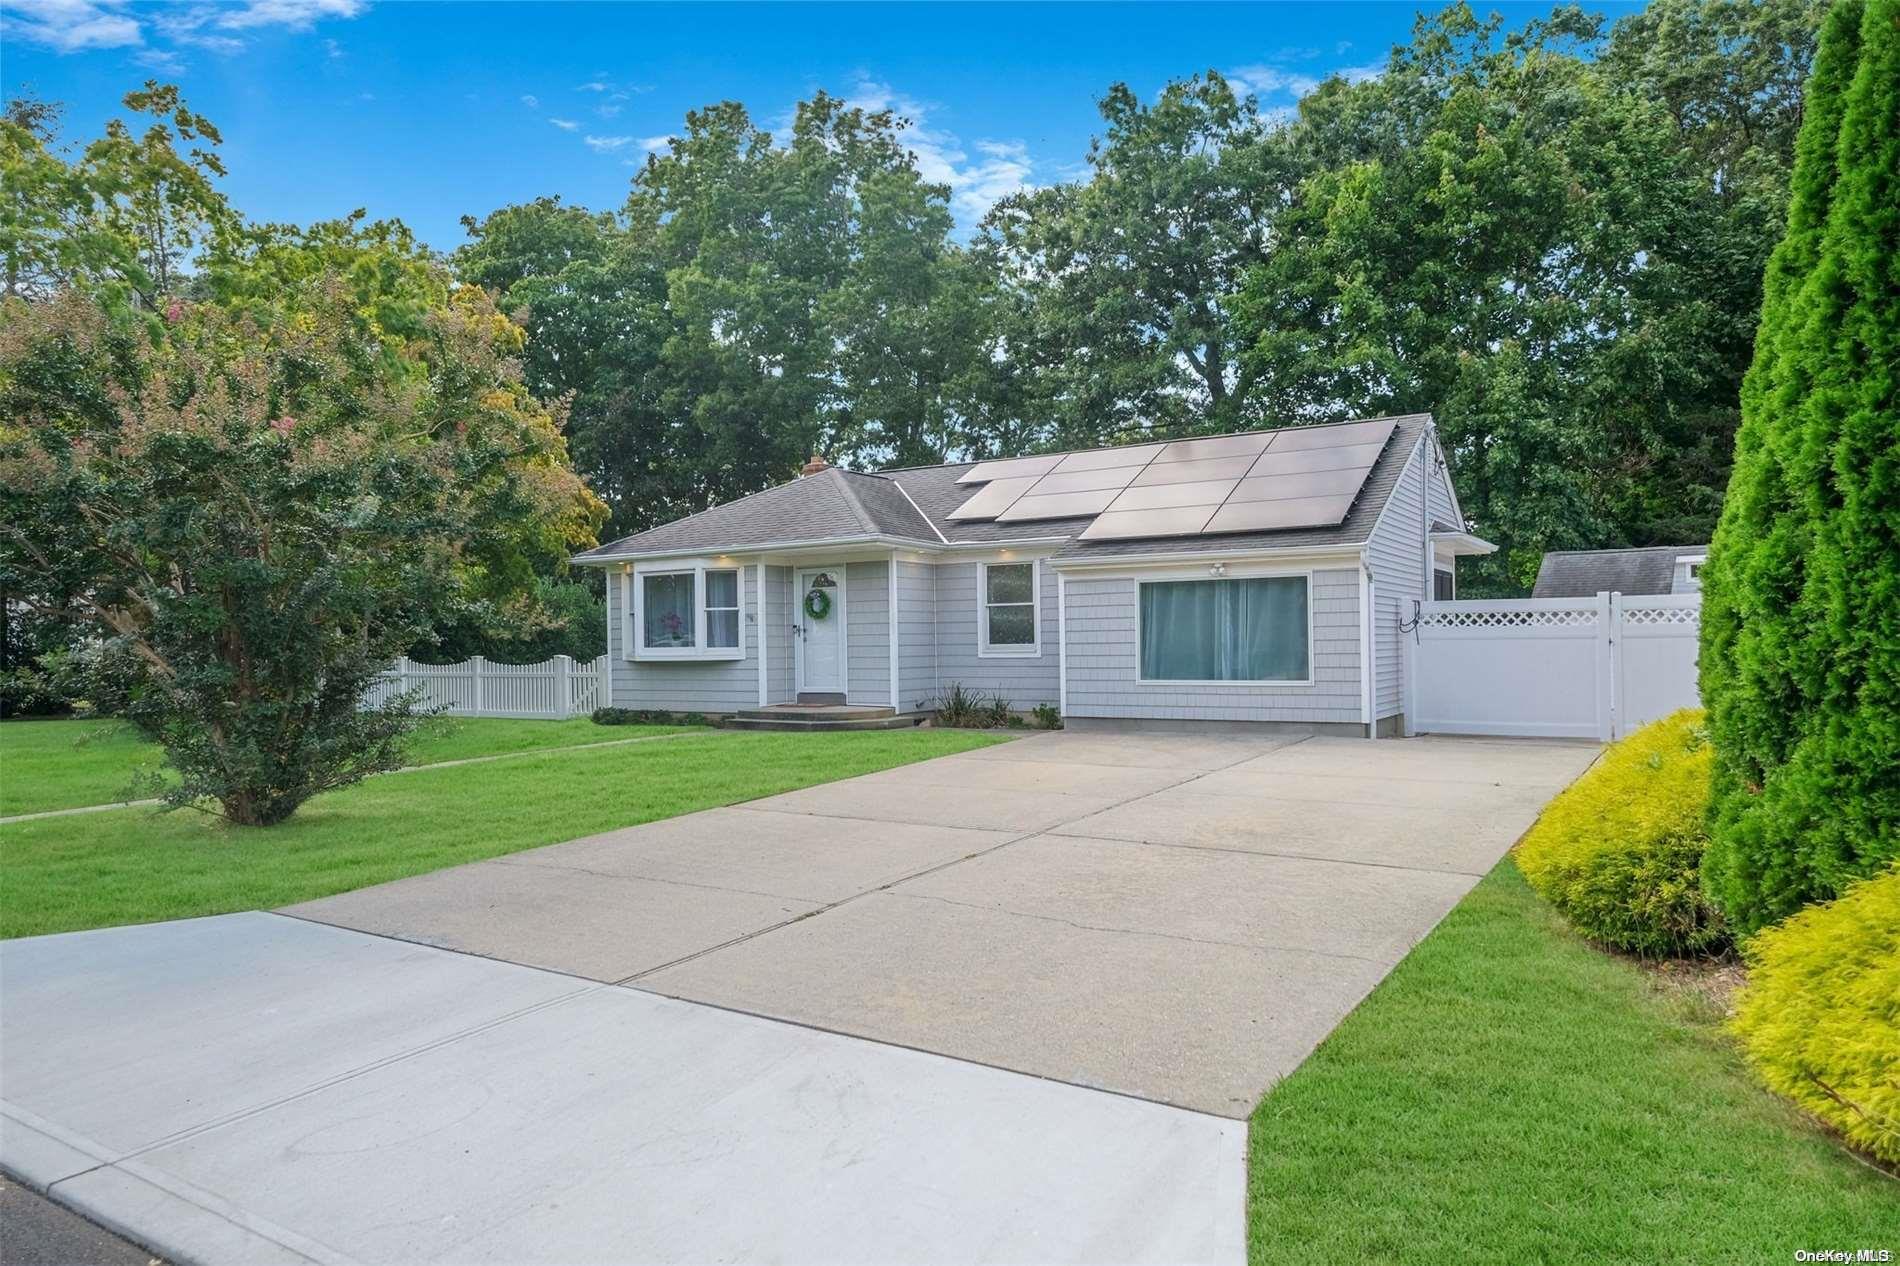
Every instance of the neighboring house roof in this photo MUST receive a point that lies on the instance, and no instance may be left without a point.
(1586, 573)
(915, 504)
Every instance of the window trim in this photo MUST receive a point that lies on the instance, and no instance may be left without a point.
(1033, 648)
(1239, 683)
(633, 608)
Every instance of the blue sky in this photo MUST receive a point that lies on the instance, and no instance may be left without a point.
(429, 111)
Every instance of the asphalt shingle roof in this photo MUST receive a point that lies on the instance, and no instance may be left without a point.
(915, 504)
(1586, 573)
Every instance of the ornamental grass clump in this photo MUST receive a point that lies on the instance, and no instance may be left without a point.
(1618, 853)
(1820, 1016)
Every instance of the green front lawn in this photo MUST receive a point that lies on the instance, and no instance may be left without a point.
(66, 764)
(137, 865)
(1510, 1094)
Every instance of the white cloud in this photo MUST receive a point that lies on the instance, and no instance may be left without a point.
(996, 170)
(296, 15)
(531, 101)
(1359, 74)
(1269, 81)
(70, 26)
(614, 144)
(332, 49)
(595, 86)
(162, 60)
(608, 111)
(566, 125)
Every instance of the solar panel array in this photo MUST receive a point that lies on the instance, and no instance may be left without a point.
(1259, 482)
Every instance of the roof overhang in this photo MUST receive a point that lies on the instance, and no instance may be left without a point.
(1345, 550)
(807, 546)
(1460, 544)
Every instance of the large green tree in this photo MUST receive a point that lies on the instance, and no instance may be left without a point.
(757, 299)
(1123, 283)
(1800, 662)
(1531, 244)
(253, 518)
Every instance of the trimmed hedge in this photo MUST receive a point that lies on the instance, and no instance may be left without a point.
(1619, 851)
(1820, 1016)
(646, 716)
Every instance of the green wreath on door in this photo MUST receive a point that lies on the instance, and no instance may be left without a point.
(817, 604)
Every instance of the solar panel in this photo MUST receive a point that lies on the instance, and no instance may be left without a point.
(1304, 437)
(1010, 468)
(1105, 458)
(1206, 492)
(1216, 446)
(993, 499)
(1263, 482)
(1274, 462)
(1085, 480)
(1123, 524)
(1159, 472)
(1061, 505)
(1271, 516)
(1319, 483)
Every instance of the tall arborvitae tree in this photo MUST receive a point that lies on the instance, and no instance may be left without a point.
(1801, 619)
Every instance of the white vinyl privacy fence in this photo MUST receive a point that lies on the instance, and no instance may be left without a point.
(1552, 667)
(555, 688)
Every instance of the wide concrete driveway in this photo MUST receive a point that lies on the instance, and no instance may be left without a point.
(666, 1057)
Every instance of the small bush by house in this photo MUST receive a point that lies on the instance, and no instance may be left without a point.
(1820, 1017)
(1618, 852)
(646, 716)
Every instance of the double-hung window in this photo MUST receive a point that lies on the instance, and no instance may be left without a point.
(1006, 615)
(1253, 629)
(685, 612)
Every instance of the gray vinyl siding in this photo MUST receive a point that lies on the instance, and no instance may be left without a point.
(1104, 662)
(867, 588)
(917, 635)
(714, 685)
(1396, 552)
(780, 671)
(1024, 680)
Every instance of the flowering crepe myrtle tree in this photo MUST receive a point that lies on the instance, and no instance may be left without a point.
(256, 513)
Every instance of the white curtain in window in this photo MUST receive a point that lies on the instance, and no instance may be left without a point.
(1224, 630)
(666, 605)
(722, 608)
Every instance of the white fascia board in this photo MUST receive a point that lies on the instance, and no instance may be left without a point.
(1464, 543)
(1345, 555)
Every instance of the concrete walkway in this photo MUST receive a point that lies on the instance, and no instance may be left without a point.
(651, 1046)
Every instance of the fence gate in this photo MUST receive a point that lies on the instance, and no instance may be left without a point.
(1551, 667)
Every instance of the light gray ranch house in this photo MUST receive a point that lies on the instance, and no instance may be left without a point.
(1255, 580)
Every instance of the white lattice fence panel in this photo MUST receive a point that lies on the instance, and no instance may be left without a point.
(1656, 651)
(1532, 667)
(1552, 667)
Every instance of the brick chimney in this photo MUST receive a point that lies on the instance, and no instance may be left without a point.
(816, 466)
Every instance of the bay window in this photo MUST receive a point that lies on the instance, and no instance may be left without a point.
(689, 611)
(1253, 629)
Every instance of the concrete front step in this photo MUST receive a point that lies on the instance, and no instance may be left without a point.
(815, 712)
(742, 721)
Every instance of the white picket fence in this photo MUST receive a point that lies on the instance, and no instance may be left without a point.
(478, 687)
(1552, 667)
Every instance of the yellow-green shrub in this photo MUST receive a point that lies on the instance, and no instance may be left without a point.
(1619, 851)
(1820, 1018)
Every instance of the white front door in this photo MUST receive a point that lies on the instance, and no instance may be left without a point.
(820, 638)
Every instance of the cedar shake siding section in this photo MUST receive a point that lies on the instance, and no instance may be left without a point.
(1104, 662)
(1024, 680)
(867, 596)
(1396, 553)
